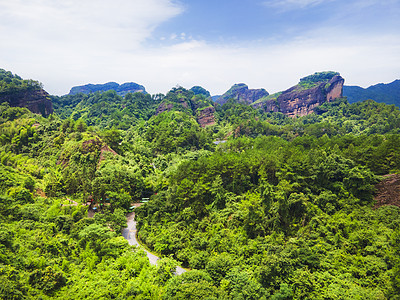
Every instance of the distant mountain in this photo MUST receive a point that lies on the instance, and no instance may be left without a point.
(122, 90)
(384, 93)
(215, 98)
(242, 93)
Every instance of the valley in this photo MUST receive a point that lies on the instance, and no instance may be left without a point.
(286, 196)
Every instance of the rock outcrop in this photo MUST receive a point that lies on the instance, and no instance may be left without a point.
(122, 90)
(205, 117)
(164, 107)
(388, 191)
(242, 93)
(295, 102)
(190, 102)
(36, 100)
(301, 99)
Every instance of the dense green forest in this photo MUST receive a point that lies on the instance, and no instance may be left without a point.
(256, 205)
(12, 83)
(388, 93)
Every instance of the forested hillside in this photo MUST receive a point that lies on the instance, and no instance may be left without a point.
(384, 93)
(256, 205)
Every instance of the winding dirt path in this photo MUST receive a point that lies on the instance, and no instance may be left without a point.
(130, 233)
(71, 203)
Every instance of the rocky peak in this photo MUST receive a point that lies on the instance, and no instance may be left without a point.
(191, 101)
(176, 99)
(301, 100)
(312, 91)
(242, 93)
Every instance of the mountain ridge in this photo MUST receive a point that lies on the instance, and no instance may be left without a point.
(388, 93)
(121, 89)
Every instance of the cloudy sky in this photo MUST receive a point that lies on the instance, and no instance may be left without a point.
(212, 43)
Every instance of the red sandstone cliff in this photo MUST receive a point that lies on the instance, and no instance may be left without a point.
(37, 101)
(206, 117)
(301, 101)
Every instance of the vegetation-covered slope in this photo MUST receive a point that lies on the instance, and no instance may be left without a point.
(278, 217)
(383, 93)
(284, 209)
(10, 83)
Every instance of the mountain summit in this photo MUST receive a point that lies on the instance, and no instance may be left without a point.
(122, 90)
(301, 99)
(242, 93)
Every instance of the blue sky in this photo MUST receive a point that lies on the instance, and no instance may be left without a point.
(164, 43)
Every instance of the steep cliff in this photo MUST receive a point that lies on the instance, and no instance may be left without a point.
(242, 93)
(301, 99)
(36, 100)
(28, 93)
(300, 102)
(206, 116)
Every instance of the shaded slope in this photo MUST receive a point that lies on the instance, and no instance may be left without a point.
(384, 93)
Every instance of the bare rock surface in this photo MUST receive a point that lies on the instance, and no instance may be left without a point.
(37, 101)
(388, 191)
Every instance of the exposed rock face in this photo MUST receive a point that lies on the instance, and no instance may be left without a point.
(37, 101)
(122, 90)
(298, 101)
(103, 150)
(335, 88)
(180, 99)
(388, 191)
(242, 93)
(164, 107)
(268, 106)
(206, 116)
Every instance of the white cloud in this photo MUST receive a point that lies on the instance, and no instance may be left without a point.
(217, 68)
(67, 43)
(73, 29)
(275, 68)
(85, 18)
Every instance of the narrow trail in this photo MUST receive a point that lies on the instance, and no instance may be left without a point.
(130, 232)
(71, 203)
